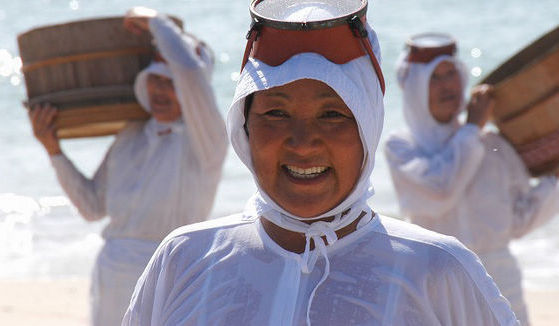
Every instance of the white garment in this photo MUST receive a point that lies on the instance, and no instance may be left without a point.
(472, 186)
(117, 269)
(229, 272)
(156, 176)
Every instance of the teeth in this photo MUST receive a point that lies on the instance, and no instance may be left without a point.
(306, 173)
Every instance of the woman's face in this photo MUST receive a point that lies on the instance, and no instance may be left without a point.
(163, 100)
(445, 92)
(305, 146)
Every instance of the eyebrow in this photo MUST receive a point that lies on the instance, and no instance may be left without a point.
(327, 95)
(276, 94)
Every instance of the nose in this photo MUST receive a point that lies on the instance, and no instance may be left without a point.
(304, 137)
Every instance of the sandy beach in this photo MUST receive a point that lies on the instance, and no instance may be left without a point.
(65, 303)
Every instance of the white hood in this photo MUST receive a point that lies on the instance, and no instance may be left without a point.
(414, 79)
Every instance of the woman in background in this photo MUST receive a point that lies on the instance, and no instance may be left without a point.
(455, 178)
(157, 175)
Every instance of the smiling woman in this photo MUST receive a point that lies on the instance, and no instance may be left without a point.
(163, 99)
(308, 248)
(305, 146)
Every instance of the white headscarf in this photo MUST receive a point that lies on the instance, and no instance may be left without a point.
(414, 78)
(141, 82)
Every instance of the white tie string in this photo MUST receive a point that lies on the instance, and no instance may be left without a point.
(258, 206)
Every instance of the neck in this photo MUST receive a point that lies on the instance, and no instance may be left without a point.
(295, 241)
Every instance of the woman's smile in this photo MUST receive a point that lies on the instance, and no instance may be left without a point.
(305, 146)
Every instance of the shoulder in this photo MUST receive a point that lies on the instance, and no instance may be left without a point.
(130, 131)
(195, 238)
(447, 266)
(414, 234)
(441, 251)
(400, 147)
(209, 226)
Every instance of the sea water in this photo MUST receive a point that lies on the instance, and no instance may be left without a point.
(42, 235)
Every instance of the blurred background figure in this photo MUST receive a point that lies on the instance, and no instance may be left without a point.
(157, 175)
(456, 178)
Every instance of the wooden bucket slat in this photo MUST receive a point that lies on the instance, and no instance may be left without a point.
(96, 72)
(519, 92)
(528, 55)
(69, 97)
(73, 117)
(92, 130)
(93, 35)
(97, 120)
(544, 115)
(30, 66)
(527, 102)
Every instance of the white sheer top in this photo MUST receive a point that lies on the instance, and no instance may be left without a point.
(388, 272)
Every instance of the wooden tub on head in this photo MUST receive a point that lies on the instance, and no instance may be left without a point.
(527, 103)
(87, 70)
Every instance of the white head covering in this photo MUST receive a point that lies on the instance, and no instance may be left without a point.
(357, 84)
(140, 85)
(414, 78)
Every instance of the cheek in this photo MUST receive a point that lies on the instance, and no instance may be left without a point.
(264, 146)
(350, 156)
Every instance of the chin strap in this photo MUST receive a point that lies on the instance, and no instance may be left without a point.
(257, 206)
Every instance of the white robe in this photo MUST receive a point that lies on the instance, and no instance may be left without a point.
(388, 272)
(476, 189)
(454, 179)
(150, 184)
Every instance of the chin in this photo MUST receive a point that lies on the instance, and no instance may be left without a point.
(305, 208)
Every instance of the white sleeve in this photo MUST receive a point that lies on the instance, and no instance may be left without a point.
(204, 123)
(154, 289)
(466, 295)
(88, 195)
(432, 185)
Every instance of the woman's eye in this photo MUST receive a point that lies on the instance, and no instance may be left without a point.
(276, 114)
(333, 115)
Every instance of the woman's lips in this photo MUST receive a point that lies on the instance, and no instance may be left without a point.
(308, 175)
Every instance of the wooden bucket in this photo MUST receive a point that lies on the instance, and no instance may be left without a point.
(87, 70)
(527, 103)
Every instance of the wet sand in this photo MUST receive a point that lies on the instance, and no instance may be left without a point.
(65, 303)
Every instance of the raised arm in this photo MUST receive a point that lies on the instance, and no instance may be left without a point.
(88, 195)
(191, 63)
(430, 185)
(191, 77)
